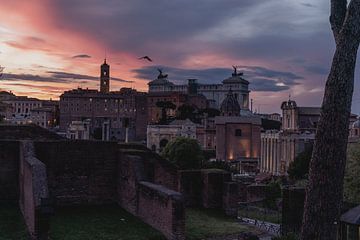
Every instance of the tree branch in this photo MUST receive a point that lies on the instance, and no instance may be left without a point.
(351, 26)
(337, 17)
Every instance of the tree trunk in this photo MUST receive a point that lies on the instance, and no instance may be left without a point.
(325, 190)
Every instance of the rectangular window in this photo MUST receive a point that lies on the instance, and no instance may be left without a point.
(238, 132)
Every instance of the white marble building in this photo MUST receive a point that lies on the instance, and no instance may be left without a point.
(159, 135)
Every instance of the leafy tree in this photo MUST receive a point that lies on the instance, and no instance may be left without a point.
(268, 124)
(352, 177)
(211, 112)
(324, 193)
(164, 106)
(273, 192)
(185, 112)
(184, 152)
(299, 168)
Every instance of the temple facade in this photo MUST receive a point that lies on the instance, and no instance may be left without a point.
(280, 148)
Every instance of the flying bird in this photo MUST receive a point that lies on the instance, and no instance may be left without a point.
(146, 58)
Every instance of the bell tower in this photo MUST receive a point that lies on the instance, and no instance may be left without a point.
(105, 77)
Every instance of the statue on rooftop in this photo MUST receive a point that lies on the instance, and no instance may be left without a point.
(235, 74)
(161, 75)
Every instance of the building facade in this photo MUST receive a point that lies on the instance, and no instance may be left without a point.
(123, 113)
(238, 135)
(280, 148)
(178, 99)
(215, 93)
(159, 135)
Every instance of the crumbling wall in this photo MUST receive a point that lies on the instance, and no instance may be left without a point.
(163, 209)
(190, 186)
(90, 172)
(33, 192)
(234, 193)
(80, 172)
(9, 171)
(213, 187)
(292, 209)
(256, 192)
(158, 206)
(203, 187)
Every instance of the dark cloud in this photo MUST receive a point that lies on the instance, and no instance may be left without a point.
(260, 78)
(317, 69)
(157, 29)
(56, 77)
(47, 89)
(308, 5)
(81, 56)
(66, 75)
(33, 78)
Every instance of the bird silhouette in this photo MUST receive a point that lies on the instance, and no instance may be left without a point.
(146, 58)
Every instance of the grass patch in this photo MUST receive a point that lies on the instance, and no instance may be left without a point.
(204, 223)
(99, 223)
(12, 226)
(272, 217)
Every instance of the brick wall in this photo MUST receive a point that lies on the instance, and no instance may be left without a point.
(155, 204)
(234, 192)
(80, 172)
(163, 209)
(91, 172)
(213, 183)
(256, 192)
(131, 172)
(33, 191)
(203, 187)
(190, 186)
(9, 170)
(292, 209)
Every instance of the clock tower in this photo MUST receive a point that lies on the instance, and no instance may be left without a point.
(105, 77)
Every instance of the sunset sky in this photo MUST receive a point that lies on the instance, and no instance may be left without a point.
(283, 46)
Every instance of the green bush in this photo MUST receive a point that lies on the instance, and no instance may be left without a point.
(217, 165)
(299, 168)
(273, 192)
(352, 177)
(186, 153)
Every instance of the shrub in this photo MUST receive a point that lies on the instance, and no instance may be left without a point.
(186, 153)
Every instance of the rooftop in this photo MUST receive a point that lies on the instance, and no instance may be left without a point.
(352, 216)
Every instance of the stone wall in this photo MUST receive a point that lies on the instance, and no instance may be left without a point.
(33, 192)
(9, 171)
(292, 209)
(190, 185)
(163, 209)
(233, 194)
(213, 186)
(155, 204)
(203, 188)
(158, 170)
(80, 172)
(90, 172)
(256, 192)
